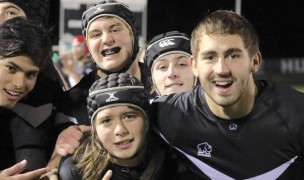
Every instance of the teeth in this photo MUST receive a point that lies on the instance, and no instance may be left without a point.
(124, 142)
(110, 51)
(13, 93)
(222, 83)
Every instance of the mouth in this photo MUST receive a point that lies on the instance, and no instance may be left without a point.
(108, 52)
(13, 93)
(174, 85)
(223, 84)
(124, 144)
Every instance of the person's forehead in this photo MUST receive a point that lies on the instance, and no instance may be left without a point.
(174, 56)
(9, 5)
(108, 19)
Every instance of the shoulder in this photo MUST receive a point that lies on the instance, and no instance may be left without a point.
(279, 92)
(67, 169)
(183, 100)
(284, 101)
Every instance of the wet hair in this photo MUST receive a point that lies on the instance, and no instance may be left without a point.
(23, 37)
(227, 23)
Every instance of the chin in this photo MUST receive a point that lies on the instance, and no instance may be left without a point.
(8, 106)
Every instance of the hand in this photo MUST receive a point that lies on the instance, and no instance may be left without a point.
(69, 139)
(108, 175)
(52, 175)
(13, 173)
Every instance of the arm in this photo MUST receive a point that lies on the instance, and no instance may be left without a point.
(67, 142)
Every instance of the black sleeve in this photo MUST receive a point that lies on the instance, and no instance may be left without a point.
(67, 170)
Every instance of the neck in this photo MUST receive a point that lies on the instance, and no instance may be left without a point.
(131, 162)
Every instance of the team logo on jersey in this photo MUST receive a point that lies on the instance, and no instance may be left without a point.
(232, 127)
(112, 97)
(204, 149)
(166, 42)
(98, 10)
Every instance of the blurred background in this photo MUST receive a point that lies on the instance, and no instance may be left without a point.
(280, 25)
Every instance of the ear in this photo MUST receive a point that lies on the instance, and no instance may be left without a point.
(256, 62)
(193, 66)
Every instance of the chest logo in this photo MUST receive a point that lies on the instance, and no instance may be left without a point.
(232, 127)
(204, 149)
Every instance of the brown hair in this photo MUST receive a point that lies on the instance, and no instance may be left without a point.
(225, 22)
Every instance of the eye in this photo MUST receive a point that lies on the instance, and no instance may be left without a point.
(106, 121)
(208, 57)
(32, 75)
(161, 67)
(116, 29)
(11, 69)
(181, 65)
(11, 13)
(129, 116)
(233, 56)
(94, 34)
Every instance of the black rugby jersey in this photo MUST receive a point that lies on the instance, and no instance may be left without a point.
(266, 144)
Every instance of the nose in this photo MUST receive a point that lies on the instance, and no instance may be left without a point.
(120, 129)
(107, 38)
(173, 72)
(221, 67)
(19, 81)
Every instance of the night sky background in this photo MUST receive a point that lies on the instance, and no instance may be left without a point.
(279, 23)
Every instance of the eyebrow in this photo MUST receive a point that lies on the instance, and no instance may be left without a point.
(233, 50)
(11, 6)
(228, 51)
(114, 25)
(110, 27)
(178, 58)
(21, 69)
(207, 52)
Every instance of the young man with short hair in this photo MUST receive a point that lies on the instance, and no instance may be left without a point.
(22, 57)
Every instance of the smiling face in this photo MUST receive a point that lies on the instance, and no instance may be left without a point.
(172, 73)
(121, 130)
(225, 71)
(110, 43)
(18, 76)
(9, 10)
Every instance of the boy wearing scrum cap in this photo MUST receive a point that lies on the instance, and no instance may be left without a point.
(167, 58)
(112, 39)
